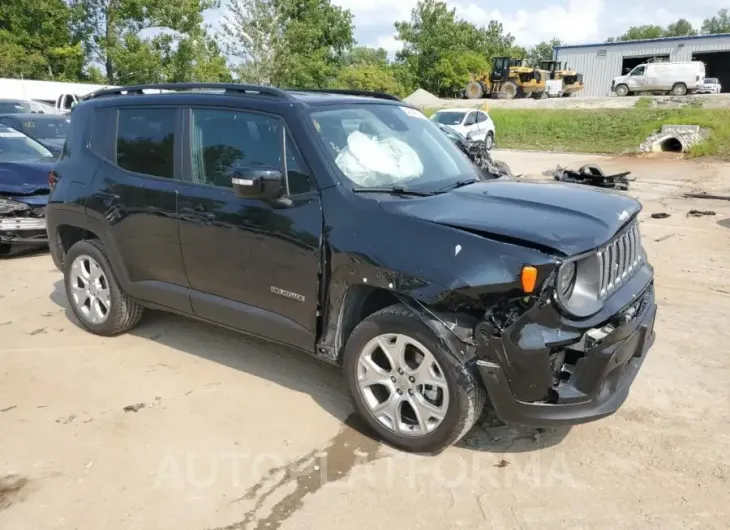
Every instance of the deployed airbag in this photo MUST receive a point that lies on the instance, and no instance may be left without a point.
(371, 162)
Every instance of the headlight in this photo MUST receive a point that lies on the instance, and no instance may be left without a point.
(566, 279)
(577, 286)
(10, 206)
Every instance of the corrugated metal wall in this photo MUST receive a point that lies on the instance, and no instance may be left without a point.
(601, 63)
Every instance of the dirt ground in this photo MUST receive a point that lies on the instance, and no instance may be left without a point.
(235, 434)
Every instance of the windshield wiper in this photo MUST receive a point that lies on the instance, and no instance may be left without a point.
(457, 184)
(395, 190)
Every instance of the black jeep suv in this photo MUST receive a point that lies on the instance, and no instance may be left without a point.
(350, 227)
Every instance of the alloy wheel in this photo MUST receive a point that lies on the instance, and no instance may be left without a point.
(90, 289)
(402, 384)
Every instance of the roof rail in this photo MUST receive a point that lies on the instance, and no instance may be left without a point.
(347, 92)
(228, 88)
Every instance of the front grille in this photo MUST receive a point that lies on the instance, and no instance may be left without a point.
(619, 260)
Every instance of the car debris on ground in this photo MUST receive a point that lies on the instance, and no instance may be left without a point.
(593, 175)
(705, 195)
(660, 215)
(700, 213)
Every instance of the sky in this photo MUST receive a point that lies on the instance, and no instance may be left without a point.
(531, 21)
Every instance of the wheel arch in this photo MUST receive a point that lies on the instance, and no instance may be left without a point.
(360, 290)
(67, 228)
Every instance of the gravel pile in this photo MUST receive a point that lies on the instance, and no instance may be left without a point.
(423, 98)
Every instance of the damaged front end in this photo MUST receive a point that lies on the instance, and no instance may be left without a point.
(22, 221)
(543, 366)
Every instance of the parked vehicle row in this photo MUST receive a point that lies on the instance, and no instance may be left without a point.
(351, 227)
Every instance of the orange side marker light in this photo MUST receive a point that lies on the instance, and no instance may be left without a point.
(528, 279)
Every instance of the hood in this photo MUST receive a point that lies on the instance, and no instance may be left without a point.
(25, 178)
(567, 218)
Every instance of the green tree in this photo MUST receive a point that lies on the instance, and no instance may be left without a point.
(434, 35)
(36, 40)
(680, 28)
(315, 37)
(640, 32)
(542, 52)
(720, 23)
(453, 70)
(365, 55)
(111, 28)
(369, 76)
(252, 36)
(192, 57)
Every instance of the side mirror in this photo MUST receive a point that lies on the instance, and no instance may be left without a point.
(258, 182)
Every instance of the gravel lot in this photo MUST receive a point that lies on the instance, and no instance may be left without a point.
(709, 101)
(236, 434)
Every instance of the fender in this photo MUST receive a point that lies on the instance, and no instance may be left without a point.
(351, 285)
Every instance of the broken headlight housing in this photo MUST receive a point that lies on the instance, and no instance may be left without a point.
(11, 206)
(577, 285)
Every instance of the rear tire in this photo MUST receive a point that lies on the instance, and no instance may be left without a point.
(679, 89)
(94, 293)
(489, 141)
(422, 417)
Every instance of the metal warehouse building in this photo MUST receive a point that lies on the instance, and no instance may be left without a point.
(600, 63)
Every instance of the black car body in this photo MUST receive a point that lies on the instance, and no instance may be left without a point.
(47, 129)
(285, 215)
(13, 106)
(24, 189)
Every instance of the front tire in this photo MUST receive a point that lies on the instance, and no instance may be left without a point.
(622, 91)
(94, 293)
(474, 90)
(414, 394)
(510, 90)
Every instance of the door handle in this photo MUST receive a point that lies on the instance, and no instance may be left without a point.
(105, 195)
(198, 211)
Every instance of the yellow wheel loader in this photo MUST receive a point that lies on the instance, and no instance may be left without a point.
(509, 79)
(572, 80)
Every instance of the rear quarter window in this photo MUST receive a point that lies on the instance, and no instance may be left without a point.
(145, 140)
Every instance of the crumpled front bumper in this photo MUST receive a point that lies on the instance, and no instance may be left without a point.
(601, 364)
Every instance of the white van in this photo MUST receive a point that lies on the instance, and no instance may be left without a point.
(677, 79)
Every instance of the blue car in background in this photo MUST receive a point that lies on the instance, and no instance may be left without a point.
(47, 129)
(25, 166)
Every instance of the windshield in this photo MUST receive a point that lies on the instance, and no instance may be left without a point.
(449, 117)
(46, 128)
(390, 145)
(16, 146)
(13, 107)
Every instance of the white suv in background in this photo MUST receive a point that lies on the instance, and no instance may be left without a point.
(711, 85)
(474, 124)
